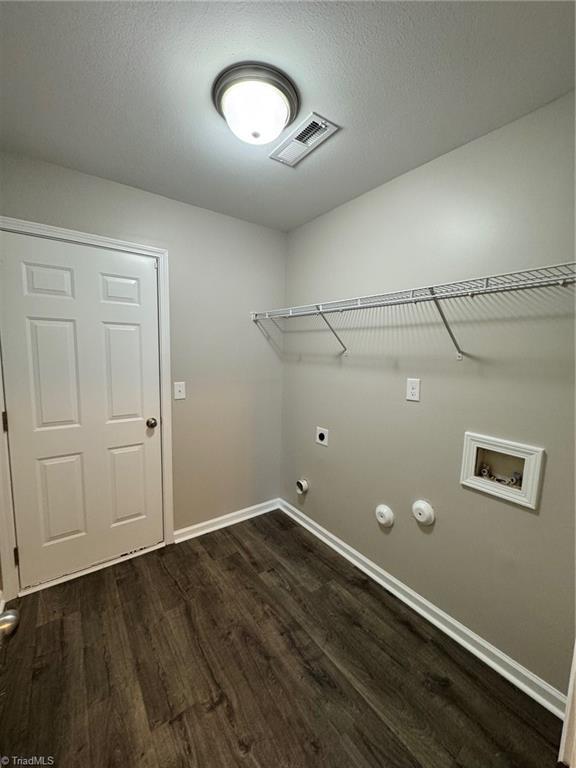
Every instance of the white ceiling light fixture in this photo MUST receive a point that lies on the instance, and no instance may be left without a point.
(257, 101)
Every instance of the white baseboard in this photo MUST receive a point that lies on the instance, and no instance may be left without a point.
(199, 529)
(522, 678)
(538, 689)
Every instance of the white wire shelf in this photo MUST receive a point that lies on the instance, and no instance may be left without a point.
(527, 279)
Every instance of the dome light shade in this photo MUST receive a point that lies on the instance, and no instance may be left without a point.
(256, 100)
(255, 111)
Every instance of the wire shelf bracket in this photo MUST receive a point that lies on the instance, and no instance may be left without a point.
(527, 279)
(459, 352)
(331, 327)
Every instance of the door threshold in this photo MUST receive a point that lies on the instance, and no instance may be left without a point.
(91, 569)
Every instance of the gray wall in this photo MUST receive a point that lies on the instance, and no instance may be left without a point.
(502, 202)
(227, 432)
(499, 203)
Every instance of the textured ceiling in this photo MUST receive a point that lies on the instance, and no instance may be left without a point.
(122, 90)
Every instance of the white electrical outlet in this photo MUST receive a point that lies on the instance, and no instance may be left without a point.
(322, 436)
(179, 390)
(413, 390)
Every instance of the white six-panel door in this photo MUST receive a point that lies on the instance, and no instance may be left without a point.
(81, 371)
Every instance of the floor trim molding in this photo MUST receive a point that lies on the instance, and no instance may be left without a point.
(522, 678)
(199, 529)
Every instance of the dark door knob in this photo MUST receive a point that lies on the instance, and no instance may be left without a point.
(151, 423)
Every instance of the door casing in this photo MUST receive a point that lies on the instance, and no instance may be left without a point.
(8, 568)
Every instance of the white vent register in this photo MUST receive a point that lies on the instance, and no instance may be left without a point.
(305, 138)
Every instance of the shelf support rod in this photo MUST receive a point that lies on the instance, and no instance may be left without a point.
(328, 323)
(459, 352)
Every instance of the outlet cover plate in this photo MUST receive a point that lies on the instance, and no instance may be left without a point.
(322, 435)
(413, 390)
(179, 390)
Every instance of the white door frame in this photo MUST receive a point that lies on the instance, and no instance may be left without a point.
(567, 754)
(8, 569)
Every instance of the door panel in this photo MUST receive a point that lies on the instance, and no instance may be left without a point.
(127, 466)
(54, 372)
(81, 364)
(124, 371)
(61, 487)
(41, 279)
(123, 290)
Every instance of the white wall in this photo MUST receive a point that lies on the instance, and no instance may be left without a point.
(227, 432)
(500, 203)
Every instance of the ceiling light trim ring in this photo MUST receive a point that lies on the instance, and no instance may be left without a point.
(254, 70)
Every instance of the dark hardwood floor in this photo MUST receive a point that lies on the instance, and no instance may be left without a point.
(253, 646)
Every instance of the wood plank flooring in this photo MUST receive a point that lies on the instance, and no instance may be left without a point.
(254, 646)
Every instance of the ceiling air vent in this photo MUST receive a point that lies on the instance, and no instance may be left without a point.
(304, 139)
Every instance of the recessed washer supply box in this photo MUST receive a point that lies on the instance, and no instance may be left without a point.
(504, 468)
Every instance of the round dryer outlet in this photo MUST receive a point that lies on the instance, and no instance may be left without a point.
(384, 515)
(423, 512)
